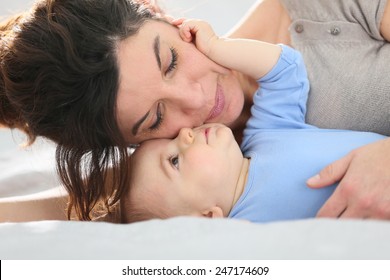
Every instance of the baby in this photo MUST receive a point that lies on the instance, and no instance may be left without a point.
(203, 171)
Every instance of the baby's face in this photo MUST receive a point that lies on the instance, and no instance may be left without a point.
(189, 175)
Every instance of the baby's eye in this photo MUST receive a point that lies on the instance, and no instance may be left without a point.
(174, 160)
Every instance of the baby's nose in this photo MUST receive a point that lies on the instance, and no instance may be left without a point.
(186, 135)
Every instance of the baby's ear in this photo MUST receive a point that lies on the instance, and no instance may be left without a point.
(213, 212)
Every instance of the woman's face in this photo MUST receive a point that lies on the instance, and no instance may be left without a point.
(166, 84)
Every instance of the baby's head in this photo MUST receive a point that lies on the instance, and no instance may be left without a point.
(194, 174)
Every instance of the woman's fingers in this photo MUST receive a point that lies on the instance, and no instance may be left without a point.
(363, 190)
(334, 207)
(331, 174)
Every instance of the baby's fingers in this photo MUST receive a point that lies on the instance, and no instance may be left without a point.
(198, 32)
(184, 29)
(178, 21)
(185, 32)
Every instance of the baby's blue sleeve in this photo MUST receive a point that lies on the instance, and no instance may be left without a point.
(280, 101)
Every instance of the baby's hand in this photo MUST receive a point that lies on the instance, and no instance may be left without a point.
(250, 57)
(198, 31)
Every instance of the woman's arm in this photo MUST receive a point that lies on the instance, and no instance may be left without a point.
(385, 23)
(48, 205)
(267, 21)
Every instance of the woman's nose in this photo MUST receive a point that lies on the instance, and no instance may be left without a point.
(189, 99)
(186, 136)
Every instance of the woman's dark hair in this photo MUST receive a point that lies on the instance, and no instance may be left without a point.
(59, 79)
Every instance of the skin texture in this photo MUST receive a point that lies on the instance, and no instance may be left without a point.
(46, 205)
(363, 190)
(186, 96)
(194, 174)
(385, 23)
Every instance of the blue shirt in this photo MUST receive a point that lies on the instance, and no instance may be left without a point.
(285, 151)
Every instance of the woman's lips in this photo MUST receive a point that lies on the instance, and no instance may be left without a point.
(219, 104)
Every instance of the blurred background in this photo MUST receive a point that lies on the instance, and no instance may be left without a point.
(222, 14)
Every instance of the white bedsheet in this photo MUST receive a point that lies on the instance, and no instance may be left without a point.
(25, 171)
(196, 238)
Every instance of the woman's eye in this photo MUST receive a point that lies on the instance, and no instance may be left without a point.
(173, 63)
(159, 118)
(174, 160)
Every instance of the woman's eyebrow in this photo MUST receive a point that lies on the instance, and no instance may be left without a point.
(156, 49)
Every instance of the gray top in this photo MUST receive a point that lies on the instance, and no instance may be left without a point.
(348, 62)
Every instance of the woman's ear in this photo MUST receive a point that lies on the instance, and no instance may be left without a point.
(213, 212)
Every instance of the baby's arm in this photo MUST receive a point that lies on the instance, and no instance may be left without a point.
(251, 57)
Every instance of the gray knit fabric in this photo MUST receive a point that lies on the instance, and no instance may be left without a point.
(348, 62)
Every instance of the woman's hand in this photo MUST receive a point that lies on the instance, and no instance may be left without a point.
(364, 188)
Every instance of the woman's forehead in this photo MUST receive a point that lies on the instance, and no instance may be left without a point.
(143, 41)
(152, 27)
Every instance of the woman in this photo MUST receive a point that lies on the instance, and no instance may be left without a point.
(97, 76)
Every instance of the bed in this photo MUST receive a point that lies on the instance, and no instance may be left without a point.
(28, 172)
(185, 238)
